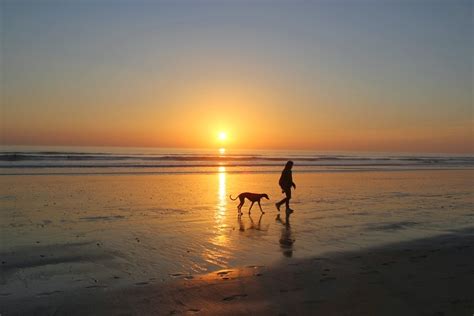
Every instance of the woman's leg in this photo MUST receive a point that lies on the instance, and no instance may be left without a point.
(278, 204)
(288, 198)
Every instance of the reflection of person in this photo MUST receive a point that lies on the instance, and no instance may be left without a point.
(286, 238)
(286, 182)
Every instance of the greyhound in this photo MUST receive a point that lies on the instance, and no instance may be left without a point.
(252, 197)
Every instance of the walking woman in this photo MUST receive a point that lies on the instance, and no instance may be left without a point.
(286, 182)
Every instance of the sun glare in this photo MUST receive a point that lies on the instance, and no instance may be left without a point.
(222, 136)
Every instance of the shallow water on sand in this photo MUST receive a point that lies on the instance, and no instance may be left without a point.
(60, 232)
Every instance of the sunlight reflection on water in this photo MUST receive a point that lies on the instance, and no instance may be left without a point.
(222, 197)
(217, 254)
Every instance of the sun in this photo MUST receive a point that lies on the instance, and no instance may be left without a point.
(222, 136)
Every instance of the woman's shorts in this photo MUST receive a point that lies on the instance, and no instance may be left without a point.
(287, 192)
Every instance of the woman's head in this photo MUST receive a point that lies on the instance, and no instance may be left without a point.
(289, 164)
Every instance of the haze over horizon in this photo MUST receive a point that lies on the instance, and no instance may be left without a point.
(389, 76)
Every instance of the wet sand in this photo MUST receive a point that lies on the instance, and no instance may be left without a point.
(430, 276)
(161, 244)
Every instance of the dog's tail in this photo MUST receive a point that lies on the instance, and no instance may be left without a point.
(232, 198)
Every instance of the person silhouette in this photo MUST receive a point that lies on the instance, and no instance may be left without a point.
(286, 237)
(286, 182)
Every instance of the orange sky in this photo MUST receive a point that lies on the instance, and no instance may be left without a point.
(317, 77)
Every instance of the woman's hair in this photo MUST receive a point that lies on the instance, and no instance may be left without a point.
(289, 164)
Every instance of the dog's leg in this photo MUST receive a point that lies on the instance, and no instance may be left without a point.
(251, 206)
(239, 207)
(260, 221)
(260, 207)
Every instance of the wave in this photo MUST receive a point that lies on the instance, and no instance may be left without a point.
(13, 156)
(69, 159)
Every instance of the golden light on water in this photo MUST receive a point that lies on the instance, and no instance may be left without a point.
(221, 210)
(221, 198)
(222, 192)
(222, 151)
(218, 254)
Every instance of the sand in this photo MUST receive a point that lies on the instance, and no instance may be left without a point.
(359, 243)
(431, 276)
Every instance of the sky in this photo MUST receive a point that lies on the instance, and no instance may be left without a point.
(387, 76)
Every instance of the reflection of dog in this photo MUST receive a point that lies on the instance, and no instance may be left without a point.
(252, 197)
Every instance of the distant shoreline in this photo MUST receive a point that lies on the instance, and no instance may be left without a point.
(84, 171)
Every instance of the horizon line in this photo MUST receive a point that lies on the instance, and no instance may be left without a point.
(244, 149)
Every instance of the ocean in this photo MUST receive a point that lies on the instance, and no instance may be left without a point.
(103, 160)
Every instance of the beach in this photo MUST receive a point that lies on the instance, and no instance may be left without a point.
(432, 276)
(362, 240)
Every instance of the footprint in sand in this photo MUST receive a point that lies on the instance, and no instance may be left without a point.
(194, 310)
(290, 290)
(221, 273)
(313, 301)
(386, 263)
(96, 287)
(415, 258)
(254, 267)
(48, 293)
(179, 275)
(319, 259)
(327, 279)
(233, 297)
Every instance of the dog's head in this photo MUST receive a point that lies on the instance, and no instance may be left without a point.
(266, 196)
